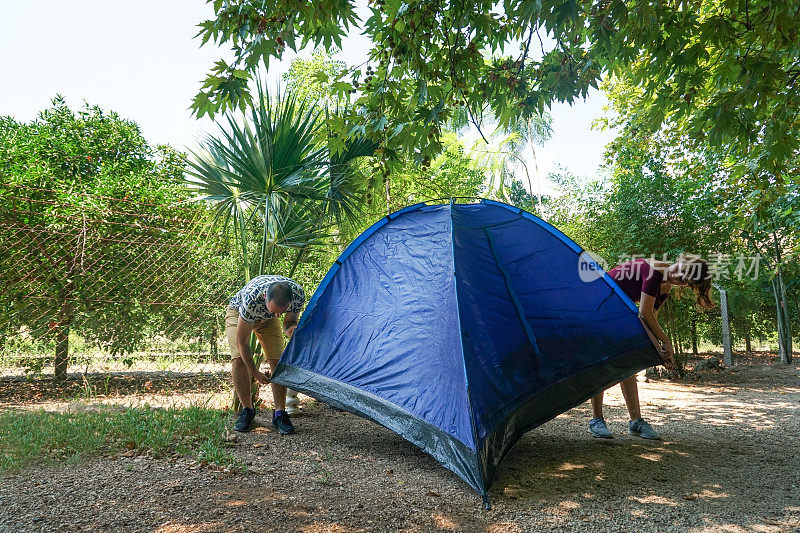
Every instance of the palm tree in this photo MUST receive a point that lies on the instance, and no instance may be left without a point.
(532, 131)
(502, 153)
(257, 167)
(266, 169)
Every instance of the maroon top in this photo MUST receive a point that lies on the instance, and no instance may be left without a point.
(637, 277)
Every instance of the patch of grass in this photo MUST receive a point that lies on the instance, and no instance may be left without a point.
(326, 476)
(28, 437)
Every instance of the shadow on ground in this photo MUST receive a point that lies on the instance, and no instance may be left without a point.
(40, 391)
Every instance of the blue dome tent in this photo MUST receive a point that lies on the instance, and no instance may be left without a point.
(462, 326)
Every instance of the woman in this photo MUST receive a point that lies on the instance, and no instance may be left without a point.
(649, 282)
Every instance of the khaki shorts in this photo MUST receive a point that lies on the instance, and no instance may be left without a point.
(268, 332)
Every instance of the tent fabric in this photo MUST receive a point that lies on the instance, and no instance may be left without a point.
(461, 327)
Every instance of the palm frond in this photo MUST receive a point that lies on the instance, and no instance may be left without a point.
(264, 166)
(298, 223)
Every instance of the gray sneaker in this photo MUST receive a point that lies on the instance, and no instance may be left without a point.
(640, 428)
(599, 428)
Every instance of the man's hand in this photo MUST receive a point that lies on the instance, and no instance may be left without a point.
(260, 377)
(290, 323)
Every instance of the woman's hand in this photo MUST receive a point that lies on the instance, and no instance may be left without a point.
(668, 356)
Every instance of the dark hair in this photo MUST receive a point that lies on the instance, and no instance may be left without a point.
(280, 293)
(696, 276)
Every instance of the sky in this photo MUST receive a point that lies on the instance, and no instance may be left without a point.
(140, 59)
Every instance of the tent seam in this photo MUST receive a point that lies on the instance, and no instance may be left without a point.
(463, 354)
(514, 297)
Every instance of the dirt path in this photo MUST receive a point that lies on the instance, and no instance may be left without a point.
(730, 461)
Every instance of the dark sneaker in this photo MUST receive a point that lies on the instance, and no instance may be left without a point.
(245, 420)
(599, 428)
(282, 423)
(640, 428)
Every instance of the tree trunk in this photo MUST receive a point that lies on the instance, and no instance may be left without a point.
(784, 357)
(262, 266)
(694, 335)
(61, 361)
(672, 335)
(62, 352)
(747, 346)
(784, 331)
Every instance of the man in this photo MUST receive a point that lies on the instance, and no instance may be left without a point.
(256, 308)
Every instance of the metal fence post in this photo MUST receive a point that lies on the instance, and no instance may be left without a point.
(726, 327)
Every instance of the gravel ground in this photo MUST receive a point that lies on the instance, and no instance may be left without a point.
(729, 461)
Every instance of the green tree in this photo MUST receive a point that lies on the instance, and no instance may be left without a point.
(726, 70)
(72, 251)
(453, 173)
(311, 79)
(458, 171)
(752, 309)
(755, 216)
(772, 232)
